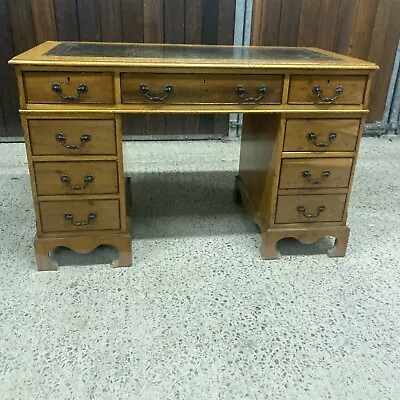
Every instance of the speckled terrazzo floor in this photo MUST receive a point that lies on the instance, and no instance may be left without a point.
(200, 315)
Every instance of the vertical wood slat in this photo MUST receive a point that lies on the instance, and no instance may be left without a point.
(174, 32)
(66, 15)
(132, 31)
(44, 20)
(111, 20)
(132, 21)
(22, 28)
(346, 26)
(328, 17)
(153, 15)
(309, 21)
(226, 21)
(89, 20)
(362, 31)
(210, 22)
(382, 78)
(270, 22)
(193, 35)
(193, 14)
(290, 19)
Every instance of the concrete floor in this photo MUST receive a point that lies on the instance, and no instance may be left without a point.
(200, 315)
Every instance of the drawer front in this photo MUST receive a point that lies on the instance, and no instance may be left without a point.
(201, 89)
(72, 137)
(79, 216)
(321, 134)
(92, 177)
(310, 208)
(69, 87)
(315, 173)
(325, 89)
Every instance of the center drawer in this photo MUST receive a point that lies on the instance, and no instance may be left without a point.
(201, 88)
(79, 216)
(315, 173)
(83, 177)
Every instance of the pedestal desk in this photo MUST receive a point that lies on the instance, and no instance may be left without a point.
(304, 111)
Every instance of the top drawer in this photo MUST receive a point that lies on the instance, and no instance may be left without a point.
(69, 87)
(201, 89)
(326, 89)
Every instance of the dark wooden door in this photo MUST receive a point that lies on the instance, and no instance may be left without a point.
(25, 23)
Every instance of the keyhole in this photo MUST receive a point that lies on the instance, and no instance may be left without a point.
(329, 81)
(68, 80)
(204, 81)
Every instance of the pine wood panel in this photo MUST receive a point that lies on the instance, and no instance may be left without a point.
(66, 14)
(111, 21)
(89, 20)
(9, 118)
(366, 29)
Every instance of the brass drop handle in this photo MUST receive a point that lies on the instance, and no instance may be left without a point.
(146, 91)
(318, 91)
(67, 181)
(91, 218)
(302, 209)
(307, 175)
(262, 90)
(312, 137)
(60, 137)
(82, 88)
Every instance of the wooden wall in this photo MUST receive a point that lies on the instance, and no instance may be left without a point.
(367, 29)
(25, 23)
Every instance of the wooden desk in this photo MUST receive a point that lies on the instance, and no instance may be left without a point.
(304, 112)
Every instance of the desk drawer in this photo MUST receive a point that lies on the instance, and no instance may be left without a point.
(310, 208)
(72, 137)
(315, 173)
(326, 89)
(321, 134)
(69, 87)
(79, 216)
(201, 89)
(91, 177)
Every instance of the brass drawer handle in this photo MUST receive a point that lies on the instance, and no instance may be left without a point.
(67, 181)
(318, 91)
(91, 218)
(240, 90)
(312, 137)
(60, 137)
(302, 209)
(146, 91)
(307, 175)
(82, 88)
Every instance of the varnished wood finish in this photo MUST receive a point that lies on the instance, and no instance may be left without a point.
(53, 215)
(43, 136)
(38, 87)
(104, 177)
(287, 208)
(297, 139)
(201, 88)
(276, 145)
(301, 89)
(322, 173)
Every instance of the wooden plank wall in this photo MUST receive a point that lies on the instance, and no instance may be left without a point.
(25, 23)
(366, 29)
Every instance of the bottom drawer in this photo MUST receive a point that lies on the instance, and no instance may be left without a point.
(310, 208)
(79, 215)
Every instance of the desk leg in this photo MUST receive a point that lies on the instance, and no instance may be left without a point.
(271, 237)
